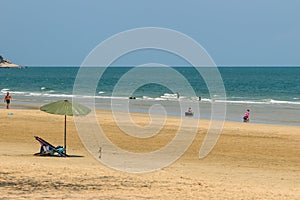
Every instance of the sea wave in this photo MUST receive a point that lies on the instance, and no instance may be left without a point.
(263, 101)
(284, 102)
(165, 97)
(170, 96)
(4, 90)
(47, 89)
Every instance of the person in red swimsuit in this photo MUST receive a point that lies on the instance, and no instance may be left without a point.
(246, 116)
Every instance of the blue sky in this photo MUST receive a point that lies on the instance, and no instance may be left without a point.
(234, 32)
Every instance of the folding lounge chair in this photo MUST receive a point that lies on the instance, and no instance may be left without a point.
(48, 149)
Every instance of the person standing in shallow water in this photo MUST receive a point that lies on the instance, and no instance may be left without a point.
(7, 99)
(246, 116)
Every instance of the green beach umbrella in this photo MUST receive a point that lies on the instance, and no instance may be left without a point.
(65, 108)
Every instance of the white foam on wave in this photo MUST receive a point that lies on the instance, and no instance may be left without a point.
(60, 95)
(169, 96)
(241, 102)
(33, 94)
(265, 101)
(153, 98)
(4, 90)
(204, 99)
(284, 102)
(47, 90)
(17, 92)
(165, 97)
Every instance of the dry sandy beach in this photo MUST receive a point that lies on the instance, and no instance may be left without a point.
(250, 161)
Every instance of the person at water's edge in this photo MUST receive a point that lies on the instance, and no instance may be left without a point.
(246, 116)
(7, 100)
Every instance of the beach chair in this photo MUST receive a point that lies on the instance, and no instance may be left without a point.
(48, 149)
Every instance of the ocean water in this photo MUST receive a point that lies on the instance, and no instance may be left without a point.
(271, 93)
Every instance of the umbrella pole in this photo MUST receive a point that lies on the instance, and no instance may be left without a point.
(65, 135)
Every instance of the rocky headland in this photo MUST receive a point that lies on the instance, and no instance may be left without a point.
(4, 63)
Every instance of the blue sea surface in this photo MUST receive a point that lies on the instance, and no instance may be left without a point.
(268, 91)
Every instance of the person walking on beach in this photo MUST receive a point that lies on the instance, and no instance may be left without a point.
(246, 116)
(7, 99)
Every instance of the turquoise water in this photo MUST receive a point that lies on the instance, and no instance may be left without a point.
(268, 90)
